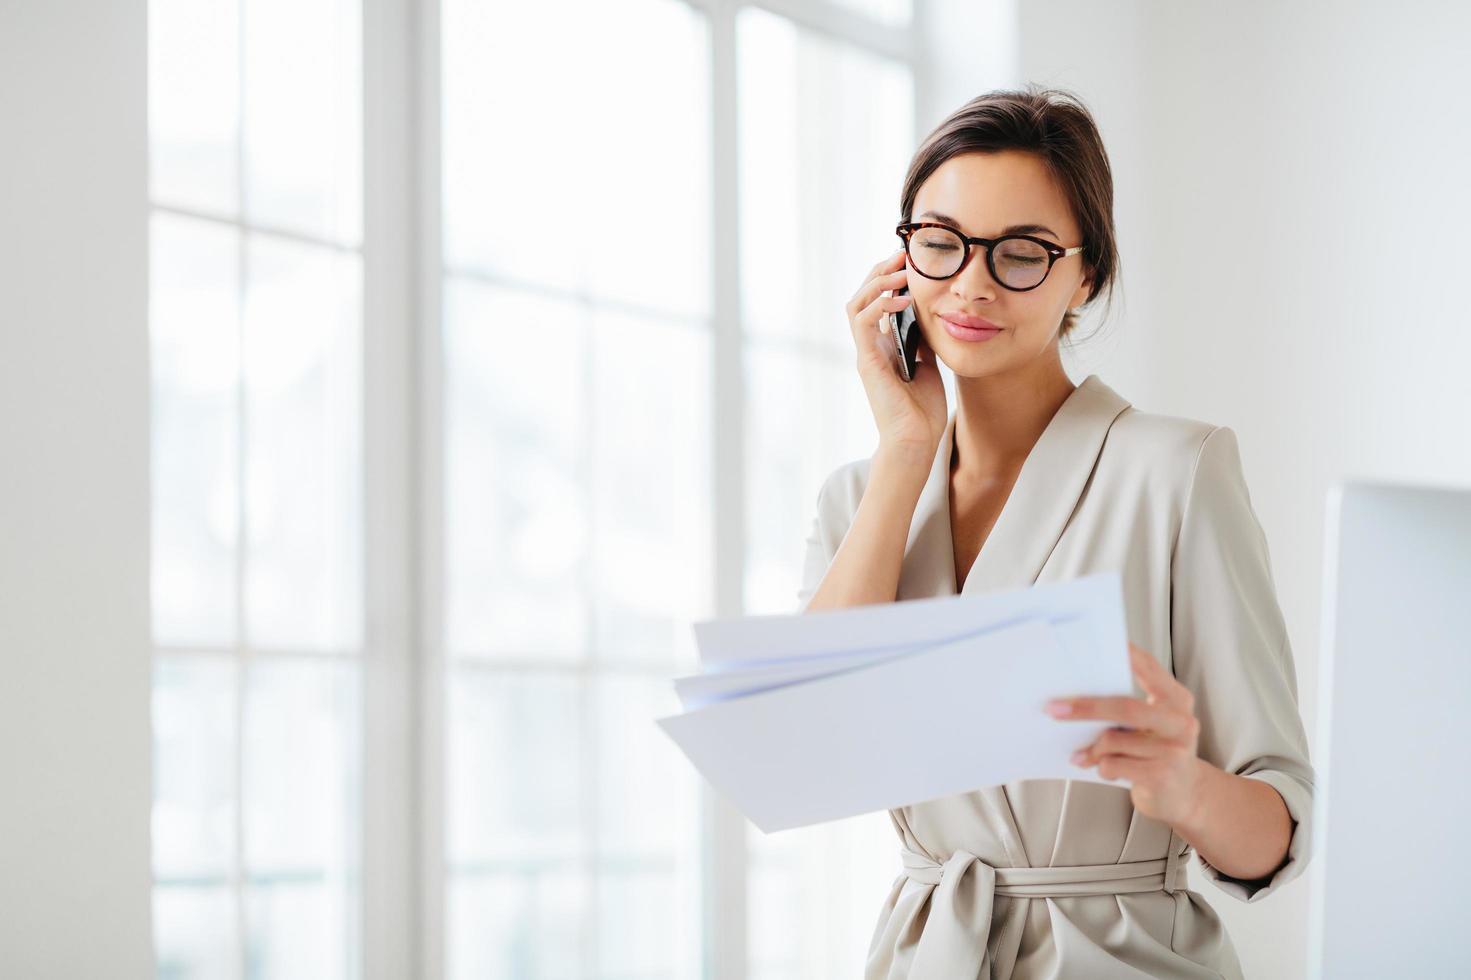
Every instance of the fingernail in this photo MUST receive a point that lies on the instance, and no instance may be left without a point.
(1059, 708)
(1079, 756)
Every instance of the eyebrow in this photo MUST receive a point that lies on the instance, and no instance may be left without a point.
(1010, 230)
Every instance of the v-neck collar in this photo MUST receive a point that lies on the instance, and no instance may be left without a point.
(1036, 512)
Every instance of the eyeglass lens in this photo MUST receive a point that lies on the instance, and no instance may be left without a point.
(938, 252)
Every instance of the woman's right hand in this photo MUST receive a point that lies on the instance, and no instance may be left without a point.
(911, 416)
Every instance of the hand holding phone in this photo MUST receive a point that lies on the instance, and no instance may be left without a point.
(897, 367)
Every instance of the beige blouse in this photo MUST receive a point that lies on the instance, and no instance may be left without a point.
(1061, 878)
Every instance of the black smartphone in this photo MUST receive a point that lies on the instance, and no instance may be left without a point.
(904, 329)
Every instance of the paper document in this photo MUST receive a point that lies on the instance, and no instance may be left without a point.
(817, 716)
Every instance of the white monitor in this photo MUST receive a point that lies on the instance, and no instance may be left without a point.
(1391, 871)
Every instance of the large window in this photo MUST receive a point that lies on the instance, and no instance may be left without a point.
(825, 133)
(628, 230)
(257, 559)
(576, 526)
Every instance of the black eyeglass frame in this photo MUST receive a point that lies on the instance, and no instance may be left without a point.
(1054, 251)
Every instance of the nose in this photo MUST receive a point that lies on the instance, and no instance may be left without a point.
(974, 282)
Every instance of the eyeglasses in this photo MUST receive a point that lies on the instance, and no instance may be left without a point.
(1017, 262)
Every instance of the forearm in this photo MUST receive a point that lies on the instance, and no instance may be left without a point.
(1241, 826)
(866, 567)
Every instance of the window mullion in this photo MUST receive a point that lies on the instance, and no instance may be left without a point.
(426, 461)
(390, 907)
(242, 525)
(724, 828)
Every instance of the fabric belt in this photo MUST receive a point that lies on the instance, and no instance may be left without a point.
(956, 937)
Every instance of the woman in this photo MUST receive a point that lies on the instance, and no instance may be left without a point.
(1035, 479)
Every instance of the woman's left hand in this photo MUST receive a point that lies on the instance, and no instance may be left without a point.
(1159, 755)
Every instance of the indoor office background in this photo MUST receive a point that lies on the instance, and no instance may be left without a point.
(386, 386)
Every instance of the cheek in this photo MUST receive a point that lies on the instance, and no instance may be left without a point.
(1041, 309)
(926, 297)
(926, 292)
(920, 293)
(914, 281)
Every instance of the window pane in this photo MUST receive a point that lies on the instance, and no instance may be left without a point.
(833, 878)
(193, 768)
(303, 454)
(771, 907)
(826, 133)
(516, 777)
(804, 417)
(648, 807)
(296, 932)
(516, 504)
(194, 348)
(652, 457)
(193, 104)
(527, 924)
(586, 171)
(643, 928)
(301, 767)
(649, 897)
(303, 121)
(194, 932)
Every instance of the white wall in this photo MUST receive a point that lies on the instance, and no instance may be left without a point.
(74, 657)
(1292, 201)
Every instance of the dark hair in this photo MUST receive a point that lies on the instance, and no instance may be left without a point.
(1056, 126)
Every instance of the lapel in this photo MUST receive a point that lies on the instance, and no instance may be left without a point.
(1036, 513)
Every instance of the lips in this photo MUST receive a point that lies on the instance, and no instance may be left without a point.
(972, 322)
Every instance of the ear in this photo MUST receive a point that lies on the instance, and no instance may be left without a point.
(1080, 295)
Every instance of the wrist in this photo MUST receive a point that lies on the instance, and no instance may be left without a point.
(897, 477)
(905, 464)
(1190, 823)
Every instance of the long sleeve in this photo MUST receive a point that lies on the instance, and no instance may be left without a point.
(819, 549)
(1231, 649)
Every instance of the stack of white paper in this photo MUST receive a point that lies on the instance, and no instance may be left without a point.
(816, 716)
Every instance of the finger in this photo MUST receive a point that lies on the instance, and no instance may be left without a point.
(1147, 670)
(866, 324)
(1136, 713)
(875, 287)
(1118, 741)
(1122, 767)
(1155, 679)
(893, 261)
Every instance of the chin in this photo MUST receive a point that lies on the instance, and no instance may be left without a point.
(975, 373)
(968, 364)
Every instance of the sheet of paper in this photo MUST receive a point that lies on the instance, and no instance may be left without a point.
(744, 655)
(926, 722)
(698, 690)
(773, 640)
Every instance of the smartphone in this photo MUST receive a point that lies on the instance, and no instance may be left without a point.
(904, 329)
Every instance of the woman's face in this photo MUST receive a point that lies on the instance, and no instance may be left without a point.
(982, 194)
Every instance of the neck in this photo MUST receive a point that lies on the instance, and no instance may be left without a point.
(999, 418)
